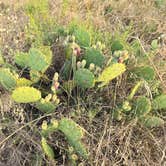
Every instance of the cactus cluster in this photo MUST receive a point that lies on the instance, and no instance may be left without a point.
(141, 108)
(72, 131)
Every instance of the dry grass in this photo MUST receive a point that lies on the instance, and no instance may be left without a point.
(108, 142)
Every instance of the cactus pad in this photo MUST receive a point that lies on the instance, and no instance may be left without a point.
(142, 107)
(82, 37)
(47, 149)
(23, 82)
(84, 78)
(7, 79)
(22, 59)
(46, 107)
(37, 60)
(159, 102)
(152, 121)
(74, 134)
(111, 72)
(145, 72)
(26, 95)
(93, 56)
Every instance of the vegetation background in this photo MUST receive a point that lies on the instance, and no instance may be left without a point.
(109, 142)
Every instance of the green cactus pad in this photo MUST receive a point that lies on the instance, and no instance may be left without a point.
(35, 76)
(7, 79)
(37, 60)
(22, 59)
(116, 45)
(46, 50)
(152, 121)
(47, 149)
(84, 78)
(159, 102)
(111, 72)
(26, 95)
(145, 72)
(82, 37)
(46, 107)
(74, 133)
(142, 106)
(93, 56)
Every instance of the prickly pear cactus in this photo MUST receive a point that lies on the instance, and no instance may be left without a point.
(35, 76)
(159, 102)
(26, 95)
(84, 78)
(74, 133)
(47, 149)
(37, 60)
(45, 106)
(111, 72)
(21, 59)
(145, 72)
(116, 45)
(93, 56)
(82, 37)
(151, 121)
(23, 82)
(142, 106)
(49, 128)
(7, 79)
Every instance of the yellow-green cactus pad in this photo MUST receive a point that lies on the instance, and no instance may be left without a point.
(23, 82)
(26, 95)
(111, 72)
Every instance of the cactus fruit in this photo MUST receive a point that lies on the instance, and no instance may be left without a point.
(145, 72)
(7, 79)
(49, 128)
(84, 78)
(142, 106)
(111, 72)
(47, 149)
(152, 121)
(93, 56)
(26, 95)
(159, 102)
(74, 133)
(82, 37)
